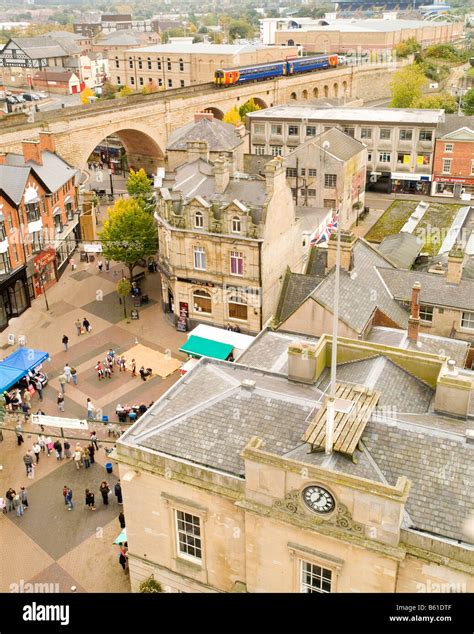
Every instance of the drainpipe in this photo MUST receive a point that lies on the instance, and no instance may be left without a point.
(260, 282)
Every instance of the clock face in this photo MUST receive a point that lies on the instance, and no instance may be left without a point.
(318, 499)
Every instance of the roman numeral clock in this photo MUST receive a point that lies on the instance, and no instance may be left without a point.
(318, 499)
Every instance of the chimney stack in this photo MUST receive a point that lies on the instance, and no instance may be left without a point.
(348, 241)
(414, 319)
(221, 174)
(197, 149)
(240, 131)
(274, 170)
(455, 264)
(47, 142)
(198, 116)
(302, 362)
(32, 152)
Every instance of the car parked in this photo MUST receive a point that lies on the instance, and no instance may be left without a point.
(19, 98)
(11, 99)
(30, 96)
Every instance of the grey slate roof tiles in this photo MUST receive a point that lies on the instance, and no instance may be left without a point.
(220, 136)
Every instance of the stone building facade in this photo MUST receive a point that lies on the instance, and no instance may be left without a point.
(222, 494)
(226, 239)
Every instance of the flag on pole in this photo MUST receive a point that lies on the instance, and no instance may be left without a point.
(326, 233)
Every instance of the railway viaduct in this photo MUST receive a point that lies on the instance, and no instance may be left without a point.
(144, 122)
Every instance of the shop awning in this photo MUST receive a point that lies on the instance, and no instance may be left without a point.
(122, 538)
(200, 347)
(18, 364)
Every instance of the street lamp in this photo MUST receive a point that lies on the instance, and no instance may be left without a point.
(111, 182)
(42, 286)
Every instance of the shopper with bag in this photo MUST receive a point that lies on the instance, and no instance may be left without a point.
(78, 457)
(28, 459)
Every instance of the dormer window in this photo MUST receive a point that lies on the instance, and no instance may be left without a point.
(236, 224)
(198, 220)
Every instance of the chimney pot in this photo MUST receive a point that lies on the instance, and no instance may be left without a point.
(455, 264)
(348, 241)
(47, 142)
(414, 320)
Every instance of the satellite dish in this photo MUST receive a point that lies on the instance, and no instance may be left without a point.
(326, 145)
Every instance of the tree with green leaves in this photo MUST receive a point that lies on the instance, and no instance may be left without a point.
(108, 90)
(248, 106)
(125, 91)
(140, 188)
(443, 101)
(406, 86)
(129, 234)
(467, 103)
(124, 288)
(240, 29)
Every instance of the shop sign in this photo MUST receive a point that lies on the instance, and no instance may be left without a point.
(44, 258)
(463, 181)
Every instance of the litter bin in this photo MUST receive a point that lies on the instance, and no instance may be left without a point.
(108, 467)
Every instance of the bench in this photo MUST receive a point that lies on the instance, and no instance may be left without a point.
(138, 276)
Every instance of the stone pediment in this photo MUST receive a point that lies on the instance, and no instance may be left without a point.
(341, 518)
(463, 134)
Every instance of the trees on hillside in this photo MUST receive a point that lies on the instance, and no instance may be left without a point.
(406, 86)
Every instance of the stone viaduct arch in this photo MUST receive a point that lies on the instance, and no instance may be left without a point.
(144, 123)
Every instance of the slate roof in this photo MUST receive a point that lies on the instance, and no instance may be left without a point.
(13, 181)
(452, 123)
(209, 416)
(197, 179)
(123, 37)
(435, 289)
(54, 172)
(219, 135)
(361, 291)
(41, 46)
(296, 287)
(401, 248)
(341, 145)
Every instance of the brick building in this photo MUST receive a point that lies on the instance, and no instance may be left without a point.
(39, 223)
(453, 165)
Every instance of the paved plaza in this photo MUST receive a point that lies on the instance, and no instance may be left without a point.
(49, 544)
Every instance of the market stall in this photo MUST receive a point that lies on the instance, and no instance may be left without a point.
(19, 364)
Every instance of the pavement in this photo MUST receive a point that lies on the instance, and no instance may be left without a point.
(49, 544)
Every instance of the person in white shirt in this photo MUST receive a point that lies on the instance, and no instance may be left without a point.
(67, 372)
(37, 451)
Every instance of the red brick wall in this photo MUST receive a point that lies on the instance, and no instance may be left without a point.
(462, 157)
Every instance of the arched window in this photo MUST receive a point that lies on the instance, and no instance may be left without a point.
(202, 302)
(168, 62)
(315, 93)
(181, 65)
(336, 90)
(236, 224)
(293, 96)
(198, 220)
(237, 307)
(291, 42)
(326, 91)
(148, 61)
(305, 94)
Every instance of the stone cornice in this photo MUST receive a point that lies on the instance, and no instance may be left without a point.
(399, 492)
(449, 562)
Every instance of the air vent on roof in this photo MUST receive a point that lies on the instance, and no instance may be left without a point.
(247, 384)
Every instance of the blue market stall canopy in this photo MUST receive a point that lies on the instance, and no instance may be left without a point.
(18, 364)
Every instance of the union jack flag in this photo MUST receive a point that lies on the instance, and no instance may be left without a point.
(326, 233)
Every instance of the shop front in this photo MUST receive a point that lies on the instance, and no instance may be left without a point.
(14, 297)
(404, 183)
(65, 244)
(45, 271)
(452, 187)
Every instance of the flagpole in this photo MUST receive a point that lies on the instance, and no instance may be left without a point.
(330, 405)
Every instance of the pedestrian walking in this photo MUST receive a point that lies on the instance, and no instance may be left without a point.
(24, 497)
(60, 401)
(118, 492)
(107, 370)
(104, 491)
(68, 498)
(19, 434)
(91, 452)
(99, 370)
(94, 440)
(65, 493)
(86, 325)
(65, 341)
(121, 519)
(73, 264)
(121, 364)
(134, 367)
(86, 457)
(67, 372)
(123, 559)
(90, 409)
(27, 399)
(100, 265)
(107, 265)
(39, 389)
(42, 442)
(78, 454)
(49, 445)
(10, 494)
(67, 449)
(74, 375)
(78, 325)
(17, 503)
(28, 459)
(37, 451)
(90, 500)
(59, 450)
(62, 382)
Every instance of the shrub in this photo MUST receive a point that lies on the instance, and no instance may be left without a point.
(150, 585)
